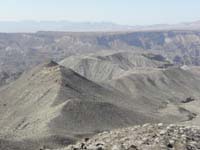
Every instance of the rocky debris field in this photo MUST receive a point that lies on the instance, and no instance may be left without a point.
(146, 137)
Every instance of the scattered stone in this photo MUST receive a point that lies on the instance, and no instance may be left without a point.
(146, 137)
(162, 132)
(86, 139)
(117, 147)
(160, 124)
(169, 145)
(187, 100)
(171, 142)
(133, 147)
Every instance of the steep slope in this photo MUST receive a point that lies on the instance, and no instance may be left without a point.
(51, 105)
(108, 65)
(160, 80)
(172, 86)
(148, 79)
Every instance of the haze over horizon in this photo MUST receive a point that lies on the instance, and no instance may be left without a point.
(127, 12)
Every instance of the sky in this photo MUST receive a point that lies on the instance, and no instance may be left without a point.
(126, 12)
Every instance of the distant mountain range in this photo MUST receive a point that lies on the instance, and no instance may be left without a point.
(34, 26)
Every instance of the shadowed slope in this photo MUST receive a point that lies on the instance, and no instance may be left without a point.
(154, 87)
(52, 101)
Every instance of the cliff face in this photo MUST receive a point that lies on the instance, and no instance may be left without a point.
(23, 50)
(175, 44)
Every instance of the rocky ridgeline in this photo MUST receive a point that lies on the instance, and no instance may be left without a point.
(146, 137)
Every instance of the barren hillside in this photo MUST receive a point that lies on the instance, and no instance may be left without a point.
(56, 105)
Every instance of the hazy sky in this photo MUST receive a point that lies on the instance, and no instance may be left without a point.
(132, 12)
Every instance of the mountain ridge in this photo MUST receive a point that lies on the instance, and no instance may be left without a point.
(34, 26)
(56, 105)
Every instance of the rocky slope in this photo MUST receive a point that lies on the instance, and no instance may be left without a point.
(51, 105)
(146, 79)
(146, 137)
(168, 85)
(104, 66)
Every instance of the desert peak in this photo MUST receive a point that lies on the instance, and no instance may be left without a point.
(50, 63)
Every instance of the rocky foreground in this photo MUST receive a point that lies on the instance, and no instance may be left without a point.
(146, 137)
